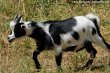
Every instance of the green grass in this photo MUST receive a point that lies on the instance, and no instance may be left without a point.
(17, 56)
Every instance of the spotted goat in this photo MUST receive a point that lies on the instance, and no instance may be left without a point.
(72, 34)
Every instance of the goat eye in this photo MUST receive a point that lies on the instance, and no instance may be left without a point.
(22, 26)
(10, 32)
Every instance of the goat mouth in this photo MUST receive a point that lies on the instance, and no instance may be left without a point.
(11, 40)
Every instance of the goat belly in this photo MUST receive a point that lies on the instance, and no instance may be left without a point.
(74, 48)
(71, 48)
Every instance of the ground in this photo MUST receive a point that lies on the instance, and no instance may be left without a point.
(16, 57)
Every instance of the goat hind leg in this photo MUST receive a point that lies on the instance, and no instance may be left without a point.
(58, 59)
(90, 49)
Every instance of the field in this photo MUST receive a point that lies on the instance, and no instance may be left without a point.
(16, 57)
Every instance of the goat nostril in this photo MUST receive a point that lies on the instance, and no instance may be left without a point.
(8, 38)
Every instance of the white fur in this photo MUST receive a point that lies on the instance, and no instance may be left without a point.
(45, 27)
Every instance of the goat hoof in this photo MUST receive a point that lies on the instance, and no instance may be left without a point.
(77, 69)
(59, 69)
(38, 70)
(81, 68)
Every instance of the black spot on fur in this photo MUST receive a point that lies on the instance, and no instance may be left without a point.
(56, 37)
(97, 27)
(42, 38)
(75, 35)
(60, 27)
(33, 24)
(93, 31)
(49, 43)
(69, 41)
(95, 21)
(83, 30)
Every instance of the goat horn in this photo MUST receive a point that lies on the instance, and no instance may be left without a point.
(16, 17)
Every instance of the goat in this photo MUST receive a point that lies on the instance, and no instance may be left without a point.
(72, 34)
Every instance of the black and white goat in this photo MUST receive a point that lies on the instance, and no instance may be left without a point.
(72, 34)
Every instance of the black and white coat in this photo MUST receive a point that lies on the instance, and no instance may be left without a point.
(72, 34)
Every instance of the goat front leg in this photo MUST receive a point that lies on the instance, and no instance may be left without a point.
(35, 55)
(58, 57)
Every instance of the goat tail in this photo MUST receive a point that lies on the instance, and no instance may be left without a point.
(93, 18)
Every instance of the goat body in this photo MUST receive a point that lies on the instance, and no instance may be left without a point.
(72, 34)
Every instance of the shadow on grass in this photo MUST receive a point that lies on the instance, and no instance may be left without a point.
(91, 68)
(101, 68)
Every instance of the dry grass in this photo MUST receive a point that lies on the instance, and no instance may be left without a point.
(17, 56)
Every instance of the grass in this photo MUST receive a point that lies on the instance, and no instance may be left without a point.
(17, 56)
